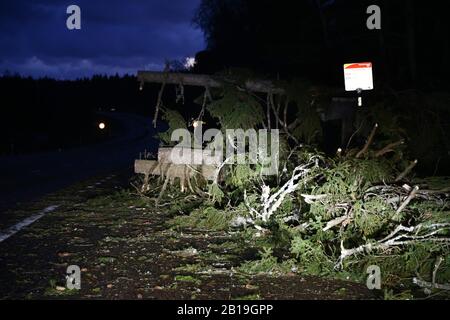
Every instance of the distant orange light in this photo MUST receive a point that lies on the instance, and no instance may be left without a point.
(101, 125)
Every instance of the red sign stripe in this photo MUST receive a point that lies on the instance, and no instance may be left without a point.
(359, 65)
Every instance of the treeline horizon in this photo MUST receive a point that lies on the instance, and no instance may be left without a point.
(40, 114)
(47, 114)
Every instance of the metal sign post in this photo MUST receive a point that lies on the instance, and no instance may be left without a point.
(359, 97)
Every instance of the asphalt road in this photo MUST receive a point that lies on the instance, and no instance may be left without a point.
(27, 177)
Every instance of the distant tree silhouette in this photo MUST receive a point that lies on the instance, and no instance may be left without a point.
(262, 35)
(313, 38)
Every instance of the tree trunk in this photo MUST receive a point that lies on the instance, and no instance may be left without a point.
(203, 80)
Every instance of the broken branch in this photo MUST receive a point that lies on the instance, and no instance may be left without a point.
(406, 171)
(369, 142)
(389, 148)
(203, 80)
(407, 201)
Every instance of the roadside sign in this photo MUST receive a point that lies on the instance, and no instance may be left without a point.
(358, 76)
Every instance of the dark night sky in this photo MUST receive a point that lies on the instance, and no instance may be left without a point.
(116, 36)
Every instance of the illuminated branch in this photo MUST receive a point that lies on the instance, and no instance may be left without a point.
(335, 222)
(411, 196)
(430, 285)
(401, 236)
(271, 202)
(311, 199)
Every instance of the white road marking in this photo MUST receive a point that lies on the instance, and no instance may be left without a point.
(24, 223)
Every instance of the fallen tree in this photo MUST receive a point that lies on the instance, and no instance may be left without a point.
(207, 81)
(339, 213)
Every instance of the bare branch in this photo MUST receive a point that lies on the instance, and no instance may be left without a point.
(311, 199)
(389, 148)
(335, 222)
(429, 285)
(407, 170)
(203, 80)
(369, 142)
(159, 103)
(271, 202)
(411, 196)
(399, 237)
(269, 104)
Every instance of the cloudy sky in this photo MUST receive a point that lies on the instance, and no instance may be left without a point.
(116, 36)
